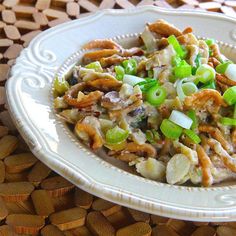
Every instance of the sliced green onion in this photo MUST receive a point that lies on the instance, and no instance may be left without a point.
(194, 137)
(228, 121)
(183, 70)
(209, 42)
(197, 62)
(180, 119)
(132, 80)
(61, 86)
(192, 114)
(210, 52)
(189, 88)
(116, 135)
(221, 68)
(209, 85)
(95, 65)
(120, 72)
(170, 129)
(156, 135)
(156, 95)
(230, 95)
(176, 45)
(231, 72)
(152, 136)
(176, 60)
(179, 89)
(146, 85)
(149, 136)
(130, 66)
(205, 73)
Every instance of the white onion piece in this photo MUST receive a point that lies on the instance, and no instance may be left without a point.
(181, 119)
(132, 80)
(231, 72)
(149, 40)
(189, 88)
(180, 87)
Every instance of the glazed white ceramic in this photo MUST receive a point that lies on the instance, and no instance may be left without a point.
(30, 102)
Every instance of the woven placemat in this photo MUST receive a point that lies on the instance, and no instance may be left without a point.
(35, 200)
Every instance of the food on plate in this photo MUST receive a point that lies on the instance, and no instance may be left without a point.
(166, 107)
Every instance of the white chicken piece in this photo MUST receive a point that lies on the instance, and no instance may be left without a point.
(138, 136)
(92, 121)
(204, 51)
(126, 91)
(161, 58)
(222, 174)
(177, 168)
(151, 169)
(193, 52)
(71, 115)
(149, 40)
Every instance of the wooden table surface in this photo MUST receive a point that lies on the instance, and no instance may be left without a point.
(34, 199)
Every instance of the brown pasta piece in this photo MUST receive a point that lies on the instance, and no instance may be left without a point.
(216, 134)
(135, 51)
(73, 91)
(223, 87)
(210, 64)
(215, 61)
(205, 162)
(162, 43)
(229, 161)
(119, 113)
(85, 100)
(223, 79)
(201, 98)
(113, 60)
(144, 149)
(188, 39)
(98, 54)
(166, 147)
(105, 84)
(164, 28)
(215, 51)
(103, 44)
(95, 137)
(127, 157)
(187, 30)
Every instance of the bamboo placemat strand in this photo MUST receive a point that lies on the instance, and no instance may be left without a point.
(36, 200)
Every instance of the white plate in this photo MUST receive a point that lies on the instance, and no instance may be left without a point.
(30, 103)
